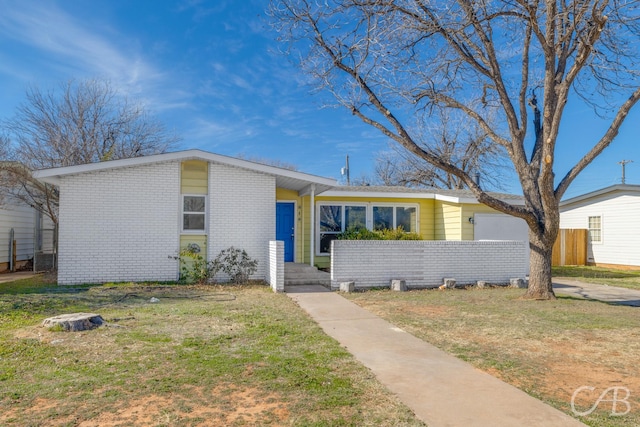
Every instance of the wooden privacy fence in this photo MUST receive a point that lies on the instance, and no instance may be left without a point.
(570, 247)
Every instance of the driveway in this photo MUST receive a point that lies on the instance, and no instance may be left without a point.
(605, 293)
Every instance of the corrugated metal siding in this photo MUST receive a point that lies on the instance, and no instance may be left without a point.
(22, 219)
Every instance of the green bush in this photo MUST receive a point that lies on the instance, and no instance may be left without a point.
(382, 234)
(194, 268)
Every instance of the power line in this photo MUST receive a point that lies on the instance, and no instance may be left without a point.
(624, 163)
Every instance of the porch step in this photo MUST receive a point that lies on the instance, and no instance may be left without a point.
(304, 274)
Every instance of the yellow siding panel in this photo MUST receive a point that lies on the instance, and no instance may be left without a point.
(447, 221)
(200, 240)
(194, 177)
(323, 261)
(284, 194)
(306, 229)
(452, 219)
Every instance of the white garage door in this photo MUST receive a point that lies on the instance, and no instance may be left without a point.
(500, 227)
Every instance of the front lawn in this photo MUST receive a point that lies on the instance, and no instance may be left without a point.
(237, 355)
(547, 348)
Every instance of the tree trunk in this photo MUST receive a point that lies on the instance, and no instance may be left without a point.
(540, 285)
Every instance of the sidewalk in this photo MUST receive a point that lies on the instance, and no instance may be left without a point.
(604, 293)
(441, 389)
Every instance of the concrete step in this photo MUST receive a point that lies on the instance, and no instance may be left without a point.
(325, 283)
(304, 274)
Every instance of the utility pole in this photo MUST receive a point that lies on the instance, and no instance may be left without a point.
(624, 163)
(345, 171)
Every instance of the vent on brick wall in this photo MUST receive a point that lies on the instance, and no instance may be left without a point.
(194, 167)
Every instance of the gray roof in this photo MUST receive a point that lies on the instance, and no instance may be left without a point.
(629, 188)
(463, 195)
(285, 178)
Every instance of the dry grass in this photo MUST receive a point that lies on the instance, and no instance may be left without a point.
(602, 276)
(547, 349)
(201, 356)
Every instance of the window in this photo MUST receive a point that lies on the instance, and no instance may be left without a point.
(333, 219)
(193, 213)
(382, 217)
(392, 217)
(595, 229)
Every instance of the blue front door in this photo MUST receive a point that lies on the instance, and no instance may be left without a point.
(285, 227)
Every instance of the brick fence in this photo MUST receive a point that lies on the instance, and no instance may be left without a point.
(424, 264)
(276, 265)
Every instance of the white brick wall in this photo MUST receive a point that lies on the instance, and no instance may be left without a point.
(242, 213)
(120, 224)
(372, 263)
(276, 265)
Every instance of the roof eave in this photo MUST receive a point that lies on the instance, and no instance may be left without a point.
(600, 192)
(53, 175)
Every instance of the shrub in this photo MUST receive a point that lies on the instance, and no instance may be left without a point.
(194, 268)
(398, 234)
(382, 234)
(237, 264)
(354, 233)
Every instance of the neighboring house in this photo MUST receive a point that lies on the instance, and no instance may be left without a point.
(31, 232)
(609, 215)
(124, 220)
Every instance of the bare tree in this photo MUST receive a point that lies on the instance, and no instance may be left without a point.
(4, 147)
(392, 62)
(83, 122)
(456, 141)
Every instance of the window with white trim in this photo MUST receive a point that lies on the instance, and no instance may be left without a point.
(392, 217)
(335, 218)
(194, 213)
(595, 229)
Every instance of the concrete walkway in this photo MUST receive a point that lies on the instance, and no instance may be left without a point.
(609, 294)
(441, 389)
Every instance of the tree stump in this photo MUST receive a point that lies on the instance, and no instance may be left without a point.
(74, 322)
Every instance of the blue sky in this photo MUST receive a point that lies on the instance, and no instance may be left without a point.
(212, 71)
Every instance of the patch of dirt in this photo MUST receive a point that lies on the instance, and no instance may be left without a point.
(553, 366)
(428, 310)
(382, 307)
(578, 362)
(223, 405)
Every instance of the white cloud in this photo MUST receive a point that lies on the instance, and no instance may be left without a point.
(70, 45)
